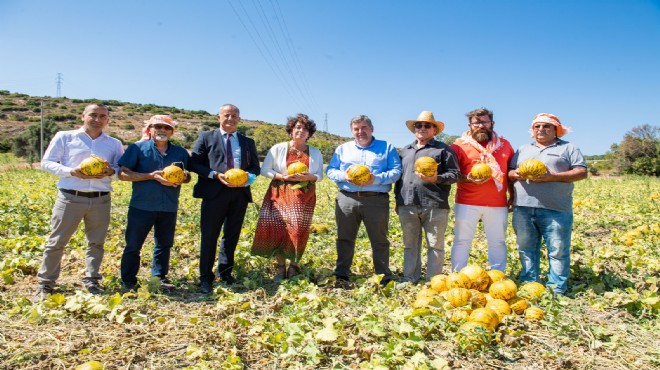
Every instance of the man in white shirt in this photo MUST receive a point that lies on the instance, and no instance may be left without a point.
(80, 197)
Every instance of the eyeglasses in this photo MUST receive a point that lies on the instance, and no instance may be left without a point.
(481, 123)
(161, 127)
(542, 127)
(419, 125)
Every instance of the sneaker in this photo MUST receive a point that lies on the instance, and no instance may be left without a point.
(128, 287)
(42, 293)
(165, 284)
(94, 289)
(228, 279)
(206, 287)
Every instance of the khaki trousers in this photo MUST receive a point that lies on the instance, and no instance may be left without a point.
(68, 211)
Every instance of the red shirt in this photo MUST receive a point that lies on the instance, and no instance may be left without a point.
(485, 194)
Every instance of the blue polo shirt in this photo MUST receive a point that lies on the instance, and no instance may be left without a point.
(151, 195)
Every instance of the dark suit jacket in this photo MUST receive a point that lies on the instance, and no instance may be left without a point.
(209, 154)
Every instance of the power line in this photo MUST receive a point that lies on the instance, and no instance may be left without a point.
(282, 61)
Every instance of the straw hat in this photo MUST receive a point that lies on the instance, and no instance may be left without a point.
(426, 116)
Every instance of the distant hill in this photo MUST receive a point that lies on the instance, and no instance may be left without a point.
(19, 111)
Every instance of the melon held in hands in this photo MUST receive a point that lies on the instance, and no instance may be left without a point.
(359, 174)
(174, 173)
(427, 166)
(296, 167)
(532, 168)
(93, 166)
(236, 177)
(481, 171)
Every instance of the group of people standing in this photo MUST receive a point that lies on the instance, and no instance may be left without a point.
(541, 207)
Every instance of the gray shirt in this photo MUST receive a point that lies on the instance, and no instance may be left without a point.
(411, 190)
(559, 157)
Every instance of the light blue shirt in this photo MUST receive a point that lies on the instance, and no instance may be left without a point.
(235, 147)
(69, 148)
(381, 158)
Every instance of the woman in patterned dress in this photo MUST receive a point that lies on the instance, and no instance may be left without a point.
(286, 213)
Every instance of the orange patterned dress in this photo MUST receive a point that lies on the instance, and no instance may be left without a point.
(285, 216)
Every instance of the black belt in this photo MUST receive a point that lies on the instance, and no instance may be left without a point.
(363, 193)
(86, 194)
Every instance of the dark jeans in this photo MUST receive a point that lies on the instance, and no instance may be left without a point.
(352, 210)
(138, 225)
(224, 212)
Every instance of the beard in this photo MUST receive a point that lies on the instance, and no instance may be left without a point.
(482, 135)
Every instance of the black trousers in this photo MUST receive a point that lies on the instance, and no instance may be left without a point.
(227, 209)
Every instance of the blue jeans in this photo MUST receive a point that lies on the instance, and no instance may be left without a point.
(530, 224)
(138, 225)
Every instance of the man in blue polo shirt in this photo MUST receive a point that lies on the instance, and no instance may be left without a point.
(368, 203)
(154, 201)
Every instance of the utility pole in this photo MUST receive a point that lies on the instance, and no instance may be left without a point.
(59, 81)
(41, 135)
(325, 123)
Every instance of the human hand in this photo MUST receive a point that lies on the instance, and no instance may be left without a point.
(433, 178)
(475, 180)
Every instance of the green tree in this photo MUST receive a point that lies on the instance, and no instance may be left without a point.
(446, 138)
(639, 151)
(266, 136)
(27, 144)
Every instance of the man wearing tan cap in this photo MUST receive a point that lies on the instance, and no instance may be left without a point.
(422, 201)
(154, 201)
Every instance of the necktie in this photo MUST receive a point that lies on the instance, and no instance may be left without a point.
(230, 153)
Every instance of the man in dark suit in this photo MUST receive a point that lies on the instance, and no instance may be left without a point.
(213, 154)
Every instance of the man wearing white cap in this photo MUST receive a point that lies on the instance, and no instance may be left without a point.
(154, 201)
(543, 206)
(422, 202)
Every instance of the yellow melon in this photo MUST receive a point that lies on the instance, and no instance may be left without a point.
(486, 316)
(504, 289)
(532, 168)
(236, 176)
(518, 305)
(532, 291)
(296, 167)
(439, 283)
(458, 296)
(93, 166)
(534, 314)
(359, 174)
(479, 279)
(480, 171)
(174, 173)
(458, 280)
(500, 307)
(427, 166)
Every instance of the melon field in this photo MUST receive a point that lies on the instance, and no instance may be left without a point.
(608, 320)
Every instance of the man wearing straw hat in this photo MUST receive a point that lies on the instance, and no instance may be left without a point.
(481, 199)
(154, 201)
(422, 202)
(543, 206)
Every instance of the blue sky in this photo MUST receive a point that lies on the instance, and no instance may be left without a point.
(594, 64)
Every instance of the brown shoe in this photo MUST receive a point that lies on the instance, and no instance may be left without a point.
(281, 273)
(293, 270)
